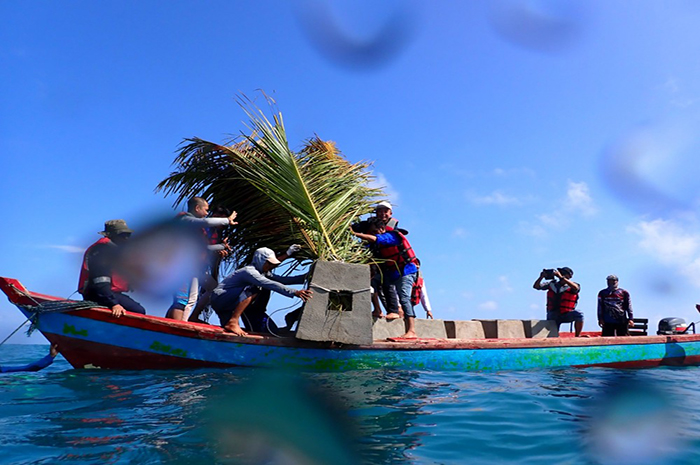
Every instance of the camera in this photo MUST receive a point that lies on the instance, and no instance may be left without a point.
(548, 273)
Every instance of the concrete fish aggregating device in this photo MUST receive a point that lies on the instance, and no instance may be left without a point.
(341, 308)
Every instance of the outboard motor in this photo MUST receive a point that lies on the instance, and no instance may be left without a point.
(672, 326)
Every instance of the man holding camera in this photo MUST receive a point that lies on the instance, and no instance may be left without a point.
(562, 296)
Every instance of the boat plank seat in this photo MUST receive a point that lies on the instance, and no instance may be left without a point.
(640, 328)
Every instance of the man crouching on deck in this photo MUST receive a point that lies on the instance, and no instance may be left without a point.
(248, 290)
(399, 264)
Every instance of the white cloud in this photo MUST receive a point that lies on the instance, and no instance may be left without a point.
(576, 203)
(505, 284)
(381, 182)
(65, 248)
(495, 198)
(671, 244)
(488, 305)
(459, 232)
(513, 172)
(578, 197)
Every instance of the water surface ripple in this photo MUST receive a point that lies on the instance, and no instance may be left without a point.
(569, 416)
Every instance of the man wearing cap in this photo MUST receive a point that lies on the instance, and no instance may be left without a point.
(383, 212)
(384, 291)
(399, 265)
(248, 290)
(562, 297)
(614, 309)
(98, 280)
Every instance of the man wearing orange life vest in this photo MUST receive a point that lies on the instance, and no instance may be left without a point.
(98, 281)
(562, 296)
(399, 263)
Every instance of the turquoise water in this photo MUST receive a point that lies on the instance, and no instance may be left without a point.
(572, 416)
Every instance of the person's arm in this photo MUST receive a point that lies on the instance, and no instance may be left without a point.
(101, 263)
(36, 365)
(538, 282)
(364, 237)
(425, 302)
(627, 305)
(255, 278)
(600, 309)
(287, 280)
(574, 286)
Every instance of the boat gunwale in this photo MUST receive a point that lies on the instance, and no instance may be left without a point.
(19, 295)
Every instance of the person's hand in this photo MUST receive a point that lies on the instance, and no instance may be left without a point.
(557, 274)
(600, 323)
(53, 351)
(118, 311)
(294, 248)
(232, 217)
(429, 315)
(630, 323)
(304, 294)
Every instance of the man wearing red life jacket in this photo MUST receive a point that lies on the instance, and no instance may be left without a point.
(562, 296)
(98, 281)
(399, 265)
(384, 291)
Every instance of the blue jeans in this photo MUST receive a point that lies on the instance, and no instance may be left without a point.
(404, 285)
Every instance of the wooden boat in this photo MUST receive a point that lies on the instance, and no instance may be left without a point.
(92, 338)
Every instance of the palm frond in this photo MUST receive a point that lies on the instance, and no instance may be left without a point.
(281, 196)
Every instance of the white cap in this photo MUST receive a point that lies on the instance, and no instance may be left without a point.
(383, 204)
(269, 255)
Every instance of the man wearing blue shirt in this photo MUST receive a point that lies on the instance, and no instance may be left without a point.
(398, 262)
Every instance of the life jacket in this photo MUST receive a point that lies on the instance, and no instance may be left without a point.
(563, 302)
(417, 290)
(397, 256)
(391, 224)
(119, 284)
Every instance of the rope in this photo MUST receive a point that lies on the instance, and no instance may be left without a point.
(13, 332)
(338, 290)
(53, 306)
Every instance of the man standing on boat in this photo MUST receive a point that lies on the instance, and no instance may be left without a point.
(184, 300)
(562, 296)
(384, 290)
(98, 281)
(399, 265)
(614, 309)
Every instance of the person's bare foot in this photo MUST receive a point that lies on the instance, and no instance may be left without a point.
(235, 328)
(392, 316)
(377, 314)
(410, 335)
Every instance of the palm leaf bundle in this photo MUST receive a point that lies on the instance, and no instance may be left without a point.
(282, 197)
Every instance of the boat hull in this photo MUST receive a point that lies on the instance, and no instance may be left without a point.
(93, 338)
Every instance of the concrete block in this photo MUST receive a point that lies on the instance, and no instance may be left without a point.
(341, 307)
(539, 329)
(464, 329)
(510, 329)
(490, 328)
(383, 329)
(431, 328)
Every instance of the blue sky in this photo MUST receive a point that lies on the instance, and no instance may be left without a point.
(511, 135)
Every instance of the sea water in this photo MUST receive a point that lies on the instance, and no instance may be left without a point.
(252, 416)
